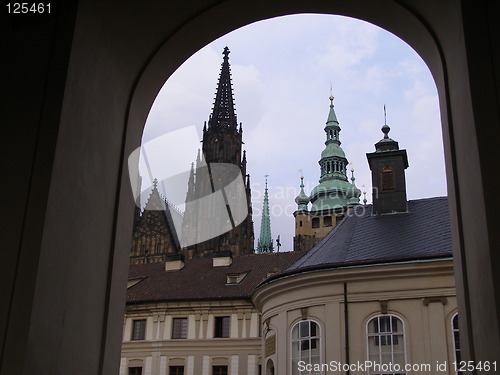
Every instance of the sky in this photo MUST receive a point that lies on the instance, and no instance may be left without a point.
(282, 71)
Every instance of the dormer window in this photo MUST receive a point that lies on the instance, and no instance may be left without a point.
(235, 278)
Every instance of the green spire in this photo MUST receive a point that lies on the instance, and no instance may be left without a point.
(334, 191)
(265, 244)
(302, 199)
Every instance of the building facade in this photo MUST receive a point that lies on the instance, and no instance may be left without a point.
(197, 317)
(375, 296)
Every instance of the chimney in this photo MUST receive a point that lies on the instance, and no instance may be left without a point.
(388, 164)
(174, 262)
(222, 259)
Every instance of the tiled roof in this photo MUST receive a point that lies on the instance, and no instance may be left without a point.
(198, 280)
(362, 238)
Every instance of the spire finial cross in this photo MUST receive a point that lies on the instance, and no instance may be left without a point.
(226, 53)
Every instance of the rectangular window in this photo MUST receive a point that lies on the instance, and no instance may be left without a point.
(387, 178)
(221, 326)
(176, 370)
(219, 370)
(139, 329)
(179, 328)
(135, 371)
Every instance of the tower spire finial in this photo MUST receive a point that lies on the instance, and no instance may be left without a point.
(331, 94)
(385, 116)
(223, 114)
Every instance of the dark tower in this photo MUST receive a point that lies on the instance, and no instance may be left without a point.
(222, 143)
(222, 138)
(388, 164)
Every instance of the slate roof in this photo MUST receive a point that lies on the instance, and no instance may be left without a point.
(363, 238)
(198, 280)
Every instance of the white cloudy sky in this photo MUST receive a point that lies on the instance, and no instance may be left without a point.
(281, 71)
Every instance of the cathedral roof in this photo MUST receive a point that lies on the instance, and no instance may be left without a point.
(199, 280)
(362, 238)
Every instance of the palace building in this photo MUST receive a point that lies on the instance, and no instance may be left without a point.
(375, 290)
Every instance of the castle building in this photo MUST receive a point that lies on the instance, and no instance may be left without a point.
(378, 291)
(332, 198)
(376, 295)
(220, 163)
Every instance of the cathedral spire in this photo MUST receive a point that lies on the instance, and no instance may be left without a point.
(223, 114)
(265, 244)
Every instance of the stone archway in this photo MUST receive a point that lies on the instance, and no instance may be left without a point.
(93, 72)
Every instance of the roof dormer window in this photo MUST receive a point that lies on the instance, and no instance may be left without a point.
(235, 278)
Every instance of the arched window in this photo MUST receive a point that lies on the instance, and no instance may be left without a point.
(387, 178)
(315, 222)
(386, 344)
(327, 221)
(306, 347)
(456, 339)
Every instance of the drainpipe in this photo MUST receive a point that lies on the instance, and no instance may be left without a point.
(346, 329)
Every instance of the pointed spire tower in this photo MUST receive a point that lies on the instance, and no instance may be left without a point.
(222, 143)
(222, 138)
(333, 197)
(265, 244)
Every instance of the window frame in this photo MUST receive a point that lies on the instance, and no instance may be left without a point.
(315, 223)
(219, 333)
(302, 340)
(328, 221)
(224, 368)
(456, 330)
(399, 332)
(134, 368)
(175, 368)
(179, 335)
(387, 179)
(142, 331)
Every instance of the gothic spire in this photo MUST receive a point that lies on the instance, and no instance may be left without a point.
(265, 244)
(223, 114)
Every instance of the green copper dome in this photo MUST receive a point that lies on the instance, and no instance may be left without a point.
(333, 149)
(334, 191)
